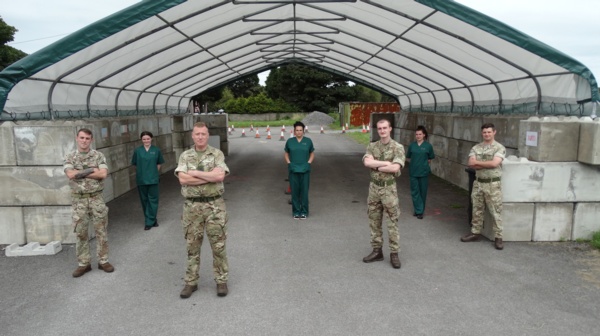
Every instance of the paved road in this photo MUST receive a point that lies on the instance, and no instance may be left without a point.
(292, 277)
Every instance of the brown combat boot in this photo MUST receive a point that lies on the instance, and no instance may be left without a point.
(471, 237)
(106, 267)
(395, 260)
(222, 289)
(81, 270)
(187, 291)
(376, 255)
(498, 244)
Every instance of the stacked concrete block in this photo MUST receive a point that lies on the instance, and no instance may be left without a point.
(551, 139)
(8, 156)
(458, 150)
(589, 141)
(527, 181)
(443, 125)
(31, 186)
(12, 228)
(439, 144)
(108, 193)
(44, 224)
(586, 220)
(101, 130)
(170, 161)
(43, 145)
(149, 124)
(121, 182)
(517, 222)
(165, 126)
(467, 128)
(553, 222)
(116, 157)
(507, 129)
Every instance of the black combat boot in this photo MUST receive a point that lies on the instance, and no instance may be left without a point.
(376, 255)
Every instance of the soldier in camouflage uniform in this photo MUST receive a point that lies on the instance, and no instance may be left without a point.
(486, 158)
(86, 169)
(201, 171)
(385, 158)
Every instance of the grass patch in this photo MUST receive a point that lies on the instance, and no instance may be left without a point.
(595, 242)
(361, 138)
(456, 206)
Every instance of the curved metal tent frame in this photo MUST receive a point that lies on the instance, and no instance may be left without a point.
(432, 55)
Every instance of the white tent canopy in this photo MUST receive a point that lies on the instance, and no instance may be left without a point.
(432, 55)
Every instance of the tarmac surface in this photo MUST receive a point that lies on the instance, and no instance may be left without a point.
(306, 277)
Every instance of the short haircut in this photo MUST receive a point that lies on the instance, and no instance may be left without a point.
(299, 123)
(422, 129)
(146, 133)
(488, 125)
(389, 122)
(200, 124)
(86, 131)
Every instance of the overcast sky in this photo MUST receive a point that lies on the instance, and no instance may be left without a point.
(572, 27)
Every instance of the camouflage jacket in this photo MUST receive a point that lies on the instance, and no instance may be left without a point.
(392, 152)
(207, 161)
(483, 152)
(80, 161)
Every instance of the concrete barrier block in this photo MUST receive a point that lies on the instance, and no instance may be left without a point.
(33, 249)
(213, 120)
(12, 228)
(164, 126)
(467, 128)
(443, 125)
(553, 221)
(450, 171)
(586, 220)
(124, 130)
(149, 124)
(35, 185)
(589, 141)
(164, 143)
(101, 130)
(425, 119)
(549, 139)
(507, 129)
(121, 182)
(405, 137)
(115, 132)
(132, 178)
(527, 181)
(225, 147)
(49, 223)
(8, 152)
(517, 222)
(170, 162)
(43, 145)
(108, 193)
(440, 145)
(458, 150)
(116, 157)
(400, 120)
(178, 139)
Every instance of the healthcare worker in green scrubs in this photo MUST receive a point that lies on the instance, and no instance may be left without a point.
(147, 160)
(419, 154)
(299, 155)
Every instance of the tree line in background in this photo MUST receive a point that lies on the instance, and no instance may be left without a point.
(288, 88)
(8, 54)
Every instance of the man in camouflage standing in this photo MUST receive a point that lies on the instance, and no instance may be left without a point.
(486, 158)
(201, 171)
(86, 169)
(385, 158)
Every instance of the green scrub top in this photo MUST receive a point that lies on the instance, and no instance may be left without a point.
(299, 153)
(145, 162)
(419, 157)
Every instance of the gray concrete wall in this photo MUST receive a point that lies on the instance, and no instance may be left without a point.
(550, 193)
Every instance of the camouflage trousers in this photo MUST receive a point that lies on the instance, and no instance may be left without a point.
(196, 217)
(490, 195)
(384, 200)
(94, 210)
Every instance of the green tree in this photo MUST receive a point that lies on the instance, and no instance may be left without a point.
(245, 87)
(8, 54)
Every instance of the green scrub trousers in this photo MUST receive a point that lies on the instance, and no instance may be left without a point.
(147, 178)
(299, 173)
(419, 171)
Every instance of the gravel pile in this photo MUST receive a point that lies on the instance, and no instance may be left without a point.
(317, 118)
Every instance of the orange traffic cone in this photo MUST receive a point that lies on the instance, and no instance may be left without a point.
(251, 128)
(343, 129)
(368, 130)
(283, 128)
(288, 190)
(306, 129)
(268, 135)
(257, 135)
(232, 128)
(229, 130)
(291, 133)
(322, 130)
(364, 130)
(347, 126)
(281, 137)
(268, 128)
(243, 132)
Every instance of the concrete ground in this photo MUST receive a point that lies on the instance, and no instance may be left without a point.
(290, 277)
